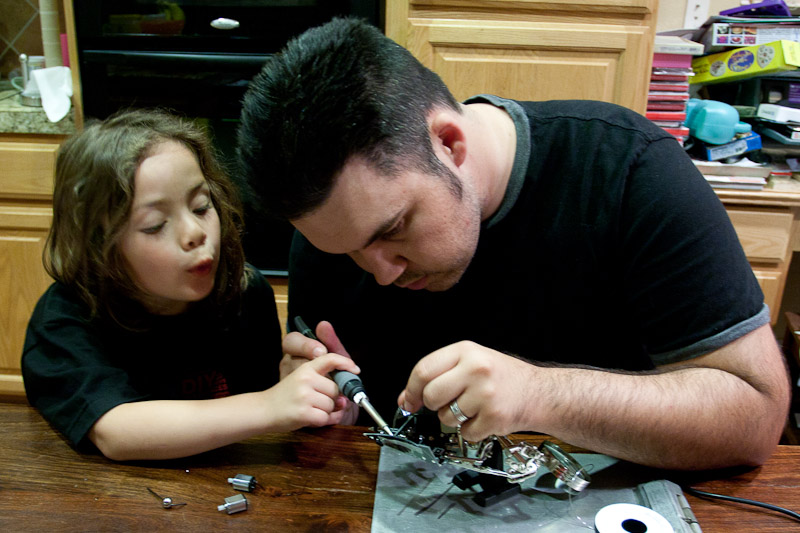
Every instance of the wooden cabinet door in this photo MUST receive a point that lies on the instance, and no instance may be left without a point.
(27, 169)
(526, 61)
(765, 232)
(23, 231)
(532, 50)
(772, 281)
(280, 286)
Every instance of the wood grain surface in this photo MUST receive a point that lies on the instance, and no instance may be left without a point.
(309, 480)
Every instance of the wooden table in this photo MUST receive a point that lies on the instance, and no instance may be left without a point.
(310, 480)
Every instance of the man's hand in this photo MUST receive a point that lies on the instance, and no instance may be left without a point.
(491, 388)
(724, 408)
(299, 349)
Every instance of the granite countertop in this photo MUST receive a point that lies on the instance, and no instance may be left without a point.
(17, 118)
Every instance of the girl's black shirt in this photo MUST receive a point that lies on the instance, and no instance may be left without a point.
(75, 369)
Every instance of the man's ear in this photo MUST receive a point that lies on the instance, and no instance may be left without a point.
(447, 134)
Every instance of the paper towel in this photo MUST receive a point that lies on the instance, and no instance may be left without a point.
(55, 86)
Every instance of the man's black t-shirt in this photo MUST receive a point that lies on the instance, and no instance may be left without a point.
(76, 369)
(609, 250)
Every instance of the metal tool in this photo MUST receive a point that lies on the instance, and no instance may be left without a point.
(422, 436)
(349, 384)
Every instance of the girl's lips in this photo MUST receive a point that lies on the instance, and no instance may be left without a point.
(203, 268)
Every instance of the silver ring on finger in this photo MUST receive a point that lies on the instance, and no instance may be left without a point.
(460, 417)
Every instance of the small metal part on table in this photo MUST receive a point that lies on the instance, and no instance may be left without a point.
(166, 503)
(243, 482)
(234, 504)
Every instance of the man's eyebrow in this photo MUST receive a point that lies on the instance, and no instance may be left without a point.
(383, 228)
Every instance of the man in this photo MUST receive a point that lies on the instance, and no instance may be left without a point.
(558, 267)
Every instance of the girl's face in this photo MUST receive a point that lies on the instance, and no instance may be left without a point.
(171, 240)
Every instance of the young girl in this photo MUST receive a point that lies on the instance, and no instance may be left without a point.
(156, 341)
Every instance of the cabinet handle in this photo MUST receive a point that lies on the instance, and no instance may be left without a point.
(224, 24)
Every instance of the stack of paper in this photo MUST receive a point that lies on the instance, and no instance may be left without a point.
(743, 175)
(669, 83)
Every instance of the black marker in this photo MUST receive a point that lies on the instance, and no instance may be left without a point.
(349, 384)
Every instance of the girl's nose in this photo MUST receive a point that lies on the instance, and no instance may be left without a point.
(193, 235)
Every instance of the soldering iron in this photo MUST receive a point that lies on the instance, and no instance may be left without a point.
(349, 384)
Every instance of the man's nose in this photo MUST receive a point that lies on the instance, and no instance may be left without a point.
(383, 263)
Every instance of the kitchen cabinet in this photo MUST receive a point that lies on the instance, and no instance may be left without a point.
(280, 286)
(26, 184)
(766, 223)
(532, 49)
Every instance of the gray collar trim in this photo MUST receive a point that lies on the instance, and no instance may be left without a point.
(521, 156)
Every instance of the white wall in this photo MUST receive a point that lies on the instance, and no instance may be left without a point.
(671, 13)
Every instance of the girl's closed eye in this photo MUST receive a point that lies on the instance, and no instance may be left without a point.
(201, 202)
(203, 209)
(150, 230)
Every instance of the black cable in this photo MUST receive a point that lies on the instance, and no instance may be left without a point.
(701, 494)
(10, 95)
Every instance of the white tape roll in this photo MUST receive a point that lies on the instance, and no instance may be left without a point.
(630, 518)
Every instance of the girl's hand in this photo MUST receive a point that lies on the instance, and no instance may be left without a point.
(308, 397)
(299, 349)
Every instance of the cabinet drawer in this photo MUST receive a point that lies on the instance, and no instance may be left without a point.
(771, 282)
(765, 234)
(27, 169)
(23, 233)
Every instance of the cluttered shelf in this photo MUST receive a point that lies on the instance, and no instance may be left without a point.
(777, 192)
(729, 92)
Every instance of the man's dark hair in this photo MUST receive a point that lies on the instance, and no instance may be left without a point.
(342, 89)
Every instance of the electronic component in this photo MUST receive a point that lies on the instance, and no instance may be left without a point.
(243, 482)
(234, 504)
(421, 435)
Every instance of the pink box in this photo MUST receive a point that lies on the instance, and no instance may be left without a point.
(672, 60)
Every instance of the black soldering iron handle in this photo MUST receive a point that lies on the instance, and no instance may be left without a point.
(303, 328)
(349, 384)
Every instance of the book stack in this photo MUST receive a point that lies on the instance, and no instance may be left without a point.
(669, 83)
(723, 32)
(742, 175)
(779, 122)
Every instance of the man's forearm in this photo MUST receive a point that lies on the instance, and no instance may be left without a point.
(694, 418)
(688, 418)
